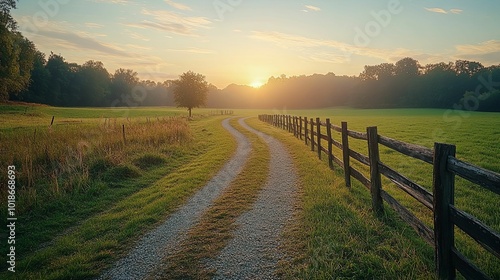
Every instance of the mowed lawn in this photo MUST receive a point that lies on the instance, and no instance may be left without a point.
(476, 136)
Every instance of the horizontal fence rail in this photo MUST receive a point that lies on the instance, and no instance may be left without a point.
(441, 201)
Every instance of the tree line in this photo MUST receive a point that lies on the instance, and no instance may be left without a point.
(462, 85)
(26, 74)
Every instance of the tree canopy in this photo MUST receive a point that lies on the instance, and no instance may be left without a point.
(17, 54)
(190, 91)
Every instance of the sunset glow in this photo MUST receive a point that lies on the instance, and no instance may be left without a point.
(256, 84)
(226, 42)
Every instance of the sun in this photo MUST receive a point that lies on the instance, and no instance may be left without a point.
(256, 84)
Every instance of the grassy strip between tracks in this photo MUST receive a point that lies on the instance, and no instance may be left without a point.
(217, 224)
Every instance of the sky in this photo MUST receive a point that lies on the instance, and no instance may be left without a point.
(246, 42)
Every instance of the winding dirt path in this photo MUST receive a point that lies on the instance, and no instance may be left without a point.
(155, 245)
(254, 251)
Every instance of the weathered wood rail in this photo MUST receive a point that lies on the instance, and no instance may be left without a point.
(441, 201)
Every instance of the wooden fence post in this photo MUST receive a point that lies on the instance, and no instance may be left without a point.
(444, 192)
(300, 128)
(312, 134)
(306, 134)
(123, 133)
(318, 131)
(376, 182)
(345, 155)
(330, 144)
(295, 126)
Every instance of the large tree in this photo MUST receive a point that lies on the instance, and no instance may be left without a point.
(39, 82)
(59, 83)
(122, 86)
(6, 19)
(92, 82)
(16, 54)
(190, 91)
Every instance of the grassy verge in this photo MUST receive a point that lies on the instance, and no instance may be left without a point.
(337, 235)
(121, 213)
(216, 226)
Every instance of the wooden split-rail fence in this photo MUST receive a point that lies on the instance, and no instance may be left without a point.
(441, 201)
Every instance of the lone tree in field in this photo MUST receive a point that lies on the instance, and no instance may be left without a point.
(190, 91)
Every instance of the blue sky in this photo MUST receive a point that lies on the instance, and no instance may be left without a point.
(246, 42)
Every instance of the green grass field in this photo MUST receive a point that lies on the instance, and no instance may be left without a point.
(82, 206)
(85, 195)
(476, 136)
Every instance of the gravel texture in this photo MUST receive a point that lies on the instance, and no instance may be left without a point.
(155, 245)
(254, 251)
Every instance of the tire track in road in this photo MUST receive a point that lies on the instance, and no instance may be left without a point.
(254, 251)
(155, 246)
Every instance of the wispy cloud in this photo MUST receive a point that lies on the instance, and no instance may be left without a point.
(191, 50)
(84, 43)
(442, 11)
(436, 10)
(312, 8)
(142, 48)
(64, 35)
(93, 25)
(486, 52)
(481, 48)
(329, 50)
(172, 22)
(456, 11)
(328, 57)
(138, 36)
(178, 5)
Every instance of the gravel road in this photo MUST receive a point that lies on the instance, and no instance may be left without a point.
(155, 245)
(254, 251)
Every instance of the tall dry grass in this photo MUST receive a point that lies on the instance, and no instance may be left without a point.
(60, 159)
